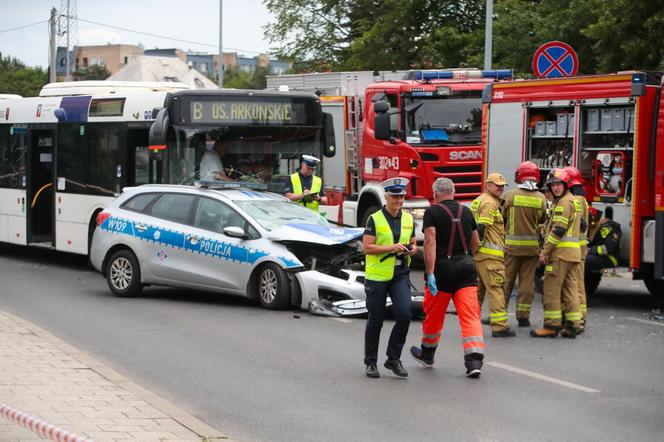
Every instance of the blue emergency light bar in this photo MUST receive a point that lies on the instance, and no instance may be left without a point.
(214, 184)
(458, 74)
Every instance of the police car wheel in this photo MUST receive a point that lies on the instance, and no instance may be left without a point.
(123, 274)
(273, 288)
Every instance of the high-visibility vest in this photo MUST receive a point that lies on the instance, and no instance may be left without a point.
(316, 185)
(375, 270)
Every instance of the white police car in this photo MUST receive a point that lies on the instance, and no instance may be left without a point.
(234, 240)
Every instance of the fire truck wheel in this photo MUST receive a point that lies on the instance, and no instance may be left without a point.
(592, 280)
(655, 286)
(367, 213)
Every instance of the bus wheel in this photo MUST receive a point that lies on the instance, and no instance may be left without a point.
(655, 286)
(592, 280)
(367, 213)
(123, 274)
(273, 288)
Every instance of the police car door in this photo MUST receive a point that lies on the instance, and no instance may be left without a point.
(220, 261)
(161, 238)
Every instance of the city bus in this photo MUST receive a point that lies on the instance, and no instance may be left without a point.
(66, 154)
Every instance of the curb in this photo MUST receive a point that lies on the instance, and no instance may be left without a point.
(206, 432)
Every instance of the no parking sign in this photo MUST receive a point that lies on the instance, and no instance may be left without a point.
(555, 59)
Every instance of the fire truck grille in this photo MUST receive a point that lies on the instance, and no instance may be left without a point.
(466, 179)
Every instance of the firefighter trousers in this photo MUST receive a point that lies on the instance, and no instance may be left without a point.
(468, 312)
(492, 280)
(561, 290)
(524, 267)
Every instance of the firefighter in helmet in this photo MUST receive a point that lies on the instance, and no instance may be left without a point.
(561, 256)
(576, 183)
(489, 259)
(525, 211)
(604, 249)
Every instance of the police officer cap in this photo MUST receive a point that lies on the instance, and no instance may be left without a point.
(395, 186)
(310, 160)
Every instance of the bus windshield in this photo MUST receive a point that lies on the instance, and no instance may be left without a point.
(263, 154)
(443, 120)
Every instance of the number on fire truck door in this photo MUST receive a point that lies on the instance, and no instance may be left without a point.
(388, 162)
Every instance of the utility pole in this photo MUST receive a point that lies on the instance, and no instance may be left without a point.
(52, 49)
(221, 50)
(68, 28)
(488, 34)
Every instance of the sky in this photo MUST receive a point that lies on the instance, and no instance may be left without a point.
(192, 20)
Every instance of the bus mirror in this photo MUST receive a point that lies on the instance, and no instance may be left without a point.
(382, 120)
(329, 149)
(158, 135)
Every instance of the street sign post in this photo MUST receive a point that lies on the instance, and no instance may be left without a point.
(555, 59)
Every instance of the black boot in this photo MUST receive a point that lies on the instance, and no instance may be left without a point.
(473, 362)
(423, 355)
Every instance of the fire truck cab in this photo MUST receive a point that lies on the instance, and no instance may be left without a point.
(420, 125)
(610, 127)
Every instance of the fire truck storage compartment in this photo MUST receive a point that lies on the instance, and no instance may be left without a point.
(606, 151)
(550, 136)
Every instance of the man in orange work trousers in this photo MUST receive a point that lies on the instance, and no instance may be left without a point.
(450, 274)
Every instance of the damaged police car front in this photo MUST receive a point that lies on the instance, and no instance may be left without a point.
(238, 241)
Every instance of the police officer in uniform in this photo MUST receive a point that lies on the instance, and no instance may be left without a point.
(561, 256)
(304, 187)
(489, 259)
(450, 237)
(525, 211)
(389, 242)
(576, 183)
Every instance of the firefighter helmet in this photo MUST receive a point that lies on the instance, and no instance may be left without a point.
(526, 171)
(558, 176)
(574, 176)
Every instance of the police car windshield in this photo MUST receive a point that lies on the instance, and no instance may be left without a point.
(272, 214)
(444, 120)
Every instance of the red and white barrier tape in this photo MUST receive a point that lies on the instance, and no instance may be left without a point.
(40, 427)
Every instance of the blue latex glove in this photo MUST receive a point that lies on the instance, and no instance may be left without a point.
(431, 283)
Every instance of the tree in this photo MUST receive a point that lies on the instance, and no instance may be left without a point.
(369, 34)
(17, 78)
(236, 78)
(93, 72)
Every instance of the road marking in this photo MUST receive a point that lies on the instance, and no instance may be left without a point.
(542, 377)
(342, 320)
(646, 321)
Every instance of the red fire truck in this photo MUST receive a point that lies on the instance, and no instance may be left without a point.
(420, 125)
(611, 127)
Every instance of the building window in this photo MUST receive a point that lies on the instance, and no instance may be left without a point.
(85, 62)
(126, 60)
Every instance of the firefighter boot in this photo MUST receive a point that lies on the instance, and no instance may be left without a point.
(473, 362)
(569, 331)
(523, 322)
(544, 332)
(423, 355)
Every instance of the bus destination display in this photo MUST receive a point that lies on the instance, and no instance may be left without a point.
(248, 112)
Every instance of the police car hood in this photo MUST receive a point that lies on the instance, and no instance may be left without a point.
(315, 234)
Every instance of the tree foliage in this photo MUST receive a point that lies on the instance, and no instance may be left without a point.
(608, 35)
(93, 72)
(235, 77)
(17, 78)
